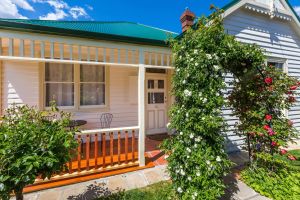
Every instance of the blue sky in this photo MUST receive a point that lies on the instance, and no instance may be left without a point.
(158, 13)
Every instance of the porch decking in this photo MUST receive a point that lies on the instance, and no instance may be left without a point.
(112, 164)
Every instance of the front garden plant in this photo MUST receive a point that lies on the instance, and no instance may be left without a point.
(203, 57)
(32, 145)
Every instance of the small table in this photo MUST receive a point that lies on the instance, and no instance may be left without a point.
(74, 123)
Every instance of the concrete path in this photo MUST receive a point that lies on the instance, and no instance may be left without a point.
(236, 189)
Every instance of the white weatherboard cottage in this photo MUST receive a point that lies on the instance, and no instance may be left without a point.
(123, 68)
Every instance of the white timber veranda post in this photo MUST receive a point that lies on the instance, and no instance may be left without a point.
(141, 107)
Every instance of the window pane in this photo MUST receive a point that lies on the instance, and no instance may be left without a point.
(156, 97)
(150, 84)
(92, 94)
(92, 73)
(58, 72)
(276, 64)
(61, 93)
(161, 84)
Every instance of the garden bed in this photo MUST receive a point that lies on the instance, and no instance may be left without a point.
(279, 184)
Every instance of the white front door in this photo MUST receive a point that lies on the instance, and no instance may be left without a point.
(156, 104)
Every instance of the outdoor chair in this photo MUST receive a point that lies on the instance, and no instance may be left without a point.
(105, 120)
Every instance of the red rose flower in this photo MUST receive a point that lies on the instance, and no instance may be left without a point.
(291, 157)
(274, 143)
(290, 123)
(291, 99)
(271, 132)
(266, 127)
(289, 92)
(268, 117)
(268, 80)
(294, 87)
(283, 151)
(298, 83)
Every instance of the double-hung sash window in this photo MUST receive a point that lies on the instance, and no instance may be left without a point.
(59, 84)
(74, 86)
(92, 85)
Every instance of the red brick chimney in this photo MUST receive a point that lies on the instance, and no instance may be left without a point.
(187, 19)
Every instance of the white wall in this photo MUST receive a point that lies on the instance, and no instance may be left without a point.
(20, 82)
(278, 38)
(21, 85)
(124, 111)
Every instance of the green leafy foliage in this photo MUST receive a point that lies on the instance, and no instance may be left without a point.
(273, 178)
(197, 160)
(32, 145)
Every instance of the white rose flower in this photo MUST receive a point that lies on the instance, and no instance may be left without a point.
(182, 172)
(1, 186)
(216, 67)
(196, 64)
(195, 194)
(168, 124)
(198, 174)
(187, 92)
(208, 56)
(208, 162)
(204, 100)
(189, 178)
(188, 156)
(179, 189)
(195, 145)
(192, 59)
(191, 135)
(184, 81)
(177, 69)
(189, 150)
(195, 51)
(187, 114)
(218, 159)
(181, 133)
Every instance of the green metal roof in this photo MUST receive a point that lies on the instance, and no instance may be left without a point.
(117, 31)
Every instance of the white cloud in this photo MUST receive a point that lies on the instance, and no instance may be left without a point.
(297, 9)
(61, 10)
(23, 4)
(9, 8)
(57, 15)
(89, 7)
(78, 12)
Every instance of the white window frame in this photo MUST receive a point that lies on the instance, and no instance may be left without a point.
(77, 106)
(284, 61)
(79, 90)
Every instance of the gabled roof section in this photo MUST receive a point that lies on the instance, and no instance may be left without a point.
(120, 31)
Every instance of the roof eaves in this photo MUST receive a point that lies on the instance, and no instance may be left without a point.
(18, 26)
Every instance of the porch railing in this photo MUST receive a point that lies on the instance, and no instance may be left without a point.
(102, 150)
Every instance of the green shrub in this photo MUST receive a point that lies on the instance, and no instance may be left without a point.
(31, 145)
(273, 178)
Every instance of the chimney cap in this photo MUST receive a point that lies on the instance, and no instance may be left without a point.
(187, 19)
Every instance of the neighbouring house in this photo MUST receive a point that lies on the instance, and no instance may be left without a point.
(124, 69)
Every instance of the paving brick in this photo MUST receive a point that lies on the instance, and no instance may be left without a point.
(117, 182)
(153, 175)
(135, 180)
(50, 195)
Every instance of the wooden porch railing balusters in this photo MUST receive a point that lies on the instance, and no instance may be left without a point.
(103, 149)
(79, 153)
(119, 147)
(87, 152)
(96, 151)
(132, 144)
(111, 146)
(126, 147)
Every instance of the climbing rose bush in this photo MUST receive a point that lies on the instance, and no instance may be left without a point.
(260, 97)
(197, 160)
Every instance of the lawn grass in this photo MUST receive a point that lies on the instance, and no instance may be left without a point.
(158, 191)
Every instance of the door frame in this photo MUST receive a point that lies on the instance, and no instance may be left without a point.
(165, 78)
